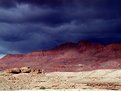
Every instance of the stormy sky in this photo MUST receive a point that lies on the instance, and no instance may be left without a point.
(27, 25)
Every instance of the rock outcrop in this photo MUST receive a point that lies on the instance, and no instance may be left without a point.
(25, 70)
(68, 57)
(22, 70)
(13, 70)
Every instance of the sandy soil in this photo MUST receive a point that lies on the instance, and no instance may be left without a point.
(81, 81)
(69, 90)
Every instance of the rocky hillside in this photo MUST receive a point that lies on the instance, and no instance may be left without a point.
(68, 57)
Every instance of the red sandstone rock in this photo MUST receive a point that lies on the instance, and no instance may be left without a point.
(13, 70)
(68, 57)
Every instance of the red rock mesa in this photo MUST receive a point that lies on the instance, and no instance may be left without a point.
(68, 57)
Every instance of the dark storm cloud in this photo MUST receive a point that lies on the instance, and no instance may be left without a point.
(27, 25)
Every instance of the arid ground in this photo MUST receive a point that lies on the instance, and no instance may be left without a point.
(89, 80)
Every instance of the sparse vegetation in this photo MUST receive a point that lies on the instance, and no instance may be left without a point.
(42, 87)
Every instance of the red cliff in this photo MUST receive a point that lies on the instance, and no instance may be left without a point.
(68, 57)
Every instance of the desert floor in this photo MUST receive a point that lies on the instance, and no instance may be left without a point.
(70, 90)
(97, 80)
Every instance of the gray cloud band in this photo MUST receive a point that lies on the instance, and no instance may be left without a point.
(45, 24)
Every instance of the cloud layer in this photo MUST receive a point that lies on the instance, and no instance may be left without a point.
(27, 25)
